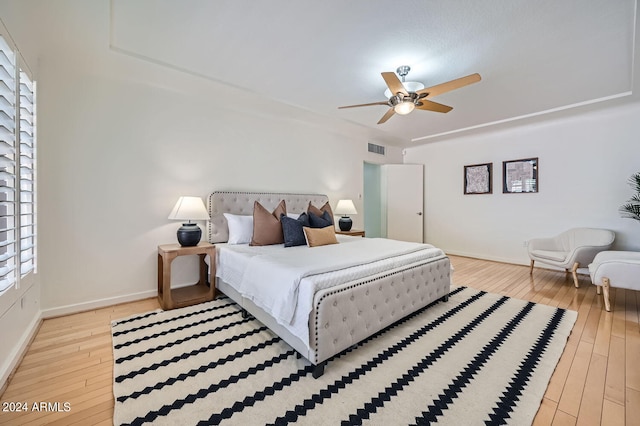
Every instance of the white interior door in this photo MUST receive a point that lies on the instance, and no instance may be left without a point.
(403, 192)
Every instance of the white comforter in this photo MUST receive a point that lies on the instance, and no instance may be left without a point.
(271, 277)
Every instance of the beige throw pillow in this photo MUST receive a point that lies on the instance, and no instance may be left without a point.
(267, 228)
(320, 236)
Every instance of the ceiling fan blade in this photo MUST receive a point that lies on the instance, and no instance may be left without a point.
(394, 83)
(361, 105)
(387, 115)
(433, 106)
(450, 85)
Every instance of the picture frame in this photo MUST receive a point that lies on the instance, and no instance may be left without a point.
(520, 176)
(478, 179)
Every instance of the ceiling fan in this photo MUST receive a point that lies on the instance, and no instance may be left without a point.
(403, 101)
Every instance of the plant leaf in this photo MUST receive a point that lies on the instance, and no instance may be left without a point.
(634, 181)
(632, 208)
(631, 211)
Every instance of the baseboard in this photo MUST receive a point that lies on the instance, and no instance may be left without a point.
(96, 304)
(581, 271)
(485, 257)
(8, 368)
(103, 303)
(10, 365)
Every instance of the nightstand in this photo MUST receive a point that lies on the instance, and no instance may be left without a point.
(353, 232)
(202, 291)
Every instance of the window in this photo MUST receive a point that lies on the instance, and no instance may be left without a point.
(17, 171)
(27, 172)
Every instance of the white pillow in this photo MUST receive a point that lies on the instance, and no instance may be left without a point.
(240, 228)
(293, 215)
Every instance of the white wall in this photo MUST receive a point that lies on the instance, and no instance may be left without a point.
(19, 321)
(585, 160)
(120, 139)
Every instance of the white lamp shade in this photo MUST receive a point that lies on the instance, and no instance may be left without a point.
(404, 108)
(189, 208)
(345, 207)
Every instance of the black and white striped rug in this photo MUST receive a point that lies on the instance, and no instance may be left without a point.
(479, 358)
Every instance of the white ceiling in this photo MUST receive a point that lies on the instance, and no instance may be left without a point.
(533, 55)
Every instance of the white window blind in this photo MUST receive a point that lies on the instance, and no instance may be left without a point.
(7, 167)
(26, 175)
(17, 171)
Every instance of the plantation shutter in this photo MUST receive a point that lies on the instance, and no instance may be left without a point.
(8, 242)
(27, 175)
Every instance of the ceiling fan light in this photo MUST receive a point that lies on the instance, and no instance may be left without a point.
(410, 86)
(404, 108)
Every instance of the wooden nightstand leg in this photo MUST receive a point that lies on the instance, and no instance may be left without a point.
(203, 270)
(167, 260)
(160, 280)
(212, 272)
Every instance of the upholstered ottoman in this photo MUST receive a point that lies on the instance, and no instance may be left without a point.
(620, 269)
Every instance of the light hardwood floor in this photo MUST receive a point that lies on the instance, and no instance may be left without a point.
(597, 380)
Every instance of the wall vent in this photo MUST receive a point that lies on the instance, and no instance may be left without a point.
(376, 149)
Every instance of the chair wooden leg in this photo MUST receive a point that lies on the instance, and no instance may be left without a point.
(531, 269)
(598, 289)
(605, 285)
(574, 272)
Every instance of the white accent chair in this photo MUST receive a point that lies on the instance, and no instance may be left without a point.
(620, 269)
(573, 249)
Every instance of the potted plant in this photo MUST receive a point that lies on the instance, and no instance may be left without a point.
(631, 209)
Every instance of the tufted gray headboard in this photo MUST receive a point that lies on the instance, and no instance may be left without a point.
(241, 203)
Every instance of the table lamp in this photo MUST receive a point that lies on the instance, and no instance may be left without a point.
(189, 208)
(344, 208)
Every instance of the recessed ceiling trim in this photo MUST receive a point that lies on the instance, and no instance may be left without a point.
(521, 117)
(536, 59)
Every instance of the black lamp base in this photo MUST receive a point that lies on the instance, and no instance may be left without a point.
(345, 223)
(189, 235)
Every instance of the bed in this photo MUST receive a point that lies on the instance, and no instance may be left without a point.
(320, 308)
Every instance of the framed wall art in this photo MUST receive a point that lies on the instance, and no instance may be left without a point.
(478, 178)
(520, 176)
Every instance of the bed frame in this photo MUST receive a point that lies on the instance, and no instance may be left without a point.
(343, 315)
